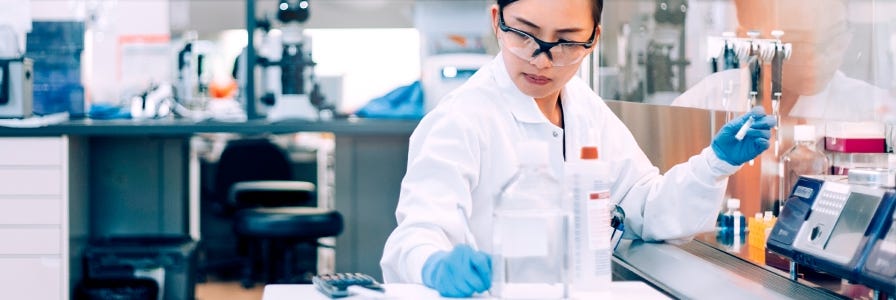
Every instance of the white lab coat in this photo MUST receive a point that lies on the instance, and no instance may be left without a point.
(465, 150)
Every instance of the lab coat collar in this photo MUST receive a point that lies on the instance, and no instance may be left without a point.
(522, 106)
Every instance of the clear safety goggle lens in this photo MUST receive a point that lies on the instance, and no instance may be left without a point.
(524, 47)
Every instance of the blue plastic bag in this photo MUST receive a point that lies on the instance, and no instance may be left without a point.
(405, 102)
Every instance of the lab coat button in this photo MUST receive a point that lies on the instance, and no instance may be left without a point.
(556, 134)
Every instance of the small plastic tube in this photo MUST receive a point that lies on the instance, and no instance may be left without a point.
(743, 129)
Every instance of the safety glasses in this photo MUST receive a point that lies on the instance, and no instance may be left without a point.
(526, 46)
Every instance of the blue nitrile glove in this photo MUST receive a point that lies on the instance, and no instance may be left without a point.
(735, 152)
(458, 273)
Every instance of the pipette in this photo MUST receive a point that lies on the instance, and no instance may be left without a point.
(468, 231)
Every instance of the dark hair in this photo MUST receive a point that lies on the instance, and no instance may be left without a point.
(595, 9)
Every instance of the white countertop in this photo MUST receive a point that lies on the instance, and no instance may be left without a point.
(618, 290)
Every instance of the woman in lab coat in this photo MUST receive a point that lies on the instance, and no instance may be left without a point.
(464, 150)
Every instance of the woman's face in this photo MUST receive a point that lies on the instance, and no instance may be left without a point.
(549, 21)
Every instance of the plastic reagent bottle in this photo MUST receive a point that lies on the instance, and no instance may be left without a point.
(587, 184)
(733, 220)
(529, 254)
(802, 159)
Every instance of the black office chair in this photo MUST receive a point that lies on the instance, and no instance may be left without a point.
(273, 216)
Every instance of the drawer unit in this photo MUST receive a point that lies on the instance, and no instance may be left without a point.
(34, 234)
(31, 151)
(38, 211)
(37, 278)
(29, 181)
(27, 240)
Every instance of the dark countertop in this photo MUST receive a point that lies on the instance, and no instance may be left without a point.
(188, 127)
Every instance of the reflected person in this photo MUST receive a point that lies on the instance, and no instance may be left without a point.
(813, 86)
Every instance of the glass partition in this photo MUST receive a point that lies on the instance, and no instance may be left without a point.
(827, 63)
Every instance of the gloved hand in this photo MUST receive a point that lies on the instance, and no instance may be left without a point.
(458, 273)
(735, 152)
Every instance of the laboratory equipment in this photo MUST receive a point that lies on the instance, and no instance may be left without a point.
(879, 269)
(827, 224)
(754, 66)
(781, 52)
(654, 43)
(802, 159)
(742, 132)
(841, 162)
(288, 85)
(193, 78)
(855, 137)
(587, 184)
(56, 47)
(16, 77)
(872, 176)
(733, 221)
(442, 73)
(337, 285)
(169, 260)
(16, 81)
(529, 252)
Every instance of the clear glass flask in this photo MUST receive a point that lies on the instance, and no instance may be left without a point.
(530, 233)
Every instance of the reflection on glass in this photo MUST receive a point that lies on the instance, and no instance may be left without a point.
(824, 37)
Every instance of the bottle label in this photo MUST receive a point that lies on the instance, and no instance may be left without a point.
(599, 230)
(523, 236)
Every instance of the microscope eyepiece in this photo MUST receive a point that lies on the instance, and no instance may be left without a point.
(293, 11)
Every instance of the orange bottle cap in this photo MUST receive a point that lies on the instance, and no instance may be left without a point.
(589, 152)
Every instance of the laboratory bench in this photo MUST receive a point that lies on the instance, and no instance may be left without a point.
(709, 266)
(62, 185)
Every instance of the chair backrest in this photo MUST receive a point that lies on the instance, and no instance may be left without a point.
(248, 160)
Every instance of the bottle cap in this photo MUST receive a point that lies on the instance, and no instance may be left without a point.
(734, 203)
(589, 152)
(804, 133)
(768, 215)
(758, 216)
(532, 153)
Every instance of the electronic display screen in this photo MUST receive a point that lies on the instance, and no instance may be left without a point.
(852, 223)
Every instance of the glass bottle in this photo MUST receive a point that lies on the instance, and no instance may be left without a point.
(802, 159)
(530, 232)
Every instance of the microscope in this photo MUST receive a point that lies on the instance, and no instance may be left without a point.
(288, 86)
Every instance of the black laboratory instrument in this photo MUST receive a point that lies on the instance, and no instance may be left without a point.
(16, 83)
(829, 225)
(336, 285)
(879, 268)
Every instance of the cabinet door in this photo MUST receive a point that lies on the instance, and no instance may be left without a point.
(37, 211)
(28, 181)
(38, 278)
(30, 241)
(31, 151)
